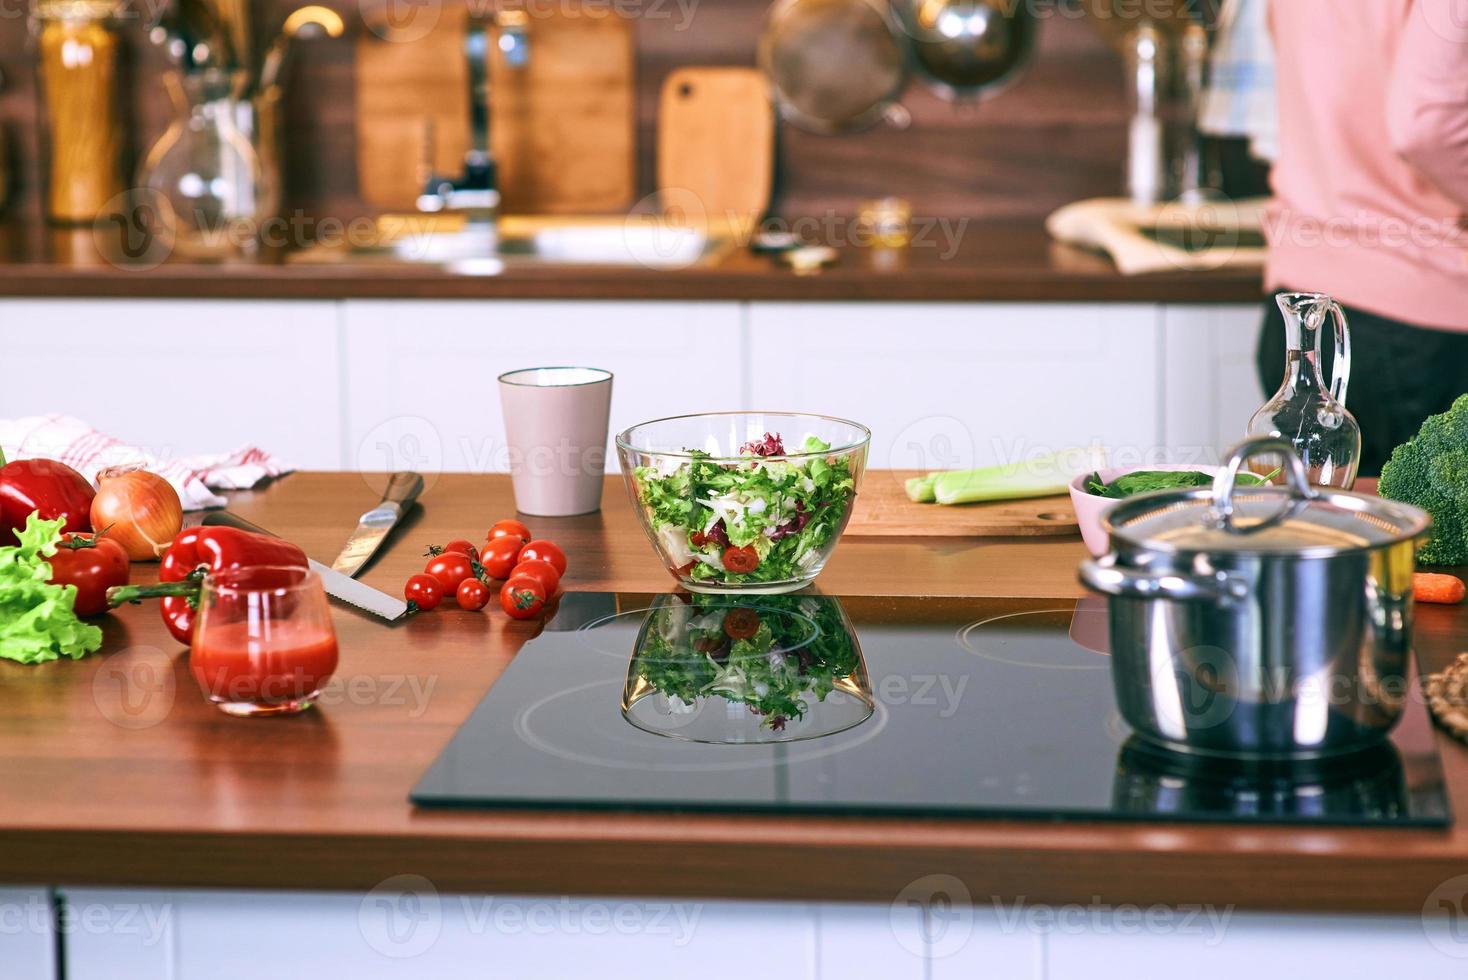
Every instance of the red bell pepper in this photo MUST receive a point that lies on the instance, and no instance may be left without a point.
(45, 487)
(200, 551)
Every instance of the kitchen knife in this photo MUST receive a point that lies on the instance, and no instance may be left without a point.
(337, 585)
(374, 525)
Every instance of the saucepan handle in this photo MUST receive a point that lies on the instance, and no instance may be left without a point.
(1106, 576)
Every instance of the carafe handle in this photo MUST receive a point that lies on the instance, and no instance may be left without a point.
(1340, 373)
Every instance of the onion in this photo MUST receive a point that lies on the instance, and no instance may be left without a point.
(137, 509)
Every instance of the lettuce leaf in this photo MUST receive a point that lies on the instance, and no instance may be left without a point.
(37, 621)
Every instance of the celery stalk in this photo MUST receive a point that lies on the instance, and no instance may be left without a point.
(1040, 477)
(920, 489)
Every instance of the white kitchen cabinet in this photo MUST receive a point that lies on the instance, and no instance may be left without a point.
(181, 376)
(27, 934)
(1242, 945)
(420, 376)
(1210, 385)
(406, 929)
(946, 385)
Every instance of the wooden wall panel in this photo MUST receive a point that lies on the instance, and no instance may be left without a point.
(1056, 136)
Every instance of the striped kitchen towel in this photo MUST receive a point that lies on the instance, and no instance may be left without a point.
(88, 451)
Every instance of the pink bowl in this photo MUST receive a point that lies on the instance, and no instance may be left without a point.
(1091, 508)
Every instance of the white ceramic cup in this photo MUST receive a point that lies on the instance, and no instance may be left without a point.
(556, 432)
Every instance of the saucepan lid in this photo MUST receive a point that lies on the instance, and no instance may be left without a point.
(1296, 520)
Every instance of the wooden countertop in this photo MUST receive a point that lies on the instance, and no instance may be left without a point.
(117, 772)
(1014, 262)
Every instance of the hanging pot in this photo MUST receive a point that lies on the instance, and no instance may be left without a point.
(836, 66)
(969, 49)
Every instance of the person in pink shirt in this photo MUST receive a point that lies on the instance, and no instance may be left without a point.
(1371, 190)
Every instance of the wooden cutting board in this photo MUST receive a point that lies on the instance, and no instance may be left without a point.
(563, 127)
(883, 510)
(716, 144)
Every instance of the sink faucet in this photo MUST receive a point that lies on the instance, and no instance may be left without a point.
(476, 191)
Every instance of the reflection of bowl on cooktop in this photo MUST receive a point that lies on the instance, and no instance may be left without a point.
(1048, 639)
(1366, 785)
(755, 671)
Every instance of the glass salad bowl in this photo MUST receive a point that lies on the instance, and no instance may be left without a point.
(755, 670)
(744, 502)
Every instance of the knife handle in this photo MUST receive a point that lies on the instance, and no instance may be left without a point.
(223, 518)
(403, 489)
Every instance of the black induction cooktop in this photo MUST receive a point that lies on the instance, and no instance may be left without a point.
(872, 705)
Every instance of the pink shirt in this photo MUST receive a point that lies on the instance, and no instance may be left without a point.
(1371, 183)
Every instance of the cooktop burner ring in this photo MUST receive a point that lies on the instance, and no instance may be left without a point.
(792, 751)
(1098, 660)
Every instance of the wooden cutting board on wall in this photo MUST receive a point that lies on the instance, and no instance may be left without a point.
(716, 143)
(883, 510)
(563, 127)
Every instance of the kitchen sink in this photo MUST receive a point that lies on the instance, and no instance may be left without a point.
(517, 241)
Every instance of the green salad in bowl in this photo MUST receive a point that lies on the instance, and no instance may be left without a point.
(737, 502)
(790, 665)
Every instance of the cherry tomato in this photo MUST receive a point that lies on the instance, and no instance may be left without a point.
(542, 570)
(522, 597)
(472, 594)
(500, 555)
(741, 624)
(424, 591)
(698, 539)
(450, 568)
(462, 547)
(546, 550)
(513, 529)
(741, 561)
(92, 563)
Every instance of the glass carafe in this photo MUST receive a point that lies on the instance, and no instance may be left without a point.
(205, 172)
(1306, 411)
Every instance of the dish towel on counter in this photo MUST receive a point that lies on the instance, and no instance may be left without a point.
(88, 451)
(1136, 236)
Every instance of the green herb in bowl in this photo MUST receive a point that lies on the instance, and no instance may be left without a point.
(1147, 481)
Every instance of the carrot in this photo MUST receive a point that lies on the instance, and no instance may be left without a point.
(1433, 587)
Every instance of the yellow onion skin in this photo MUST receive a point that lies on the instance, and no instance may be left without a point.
(137, 509)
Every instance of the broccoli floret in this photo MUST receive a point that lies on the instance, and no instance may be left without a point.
(1431, 471)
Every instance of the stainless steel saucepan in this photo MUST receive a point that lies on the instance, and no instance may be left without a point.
(1260, 622)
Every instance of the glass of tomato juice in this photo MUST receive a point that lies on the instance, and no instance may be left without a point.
(264, 643)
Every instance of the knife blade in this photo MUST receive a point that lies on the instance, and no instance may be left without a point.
(337, 585)
(374, 525)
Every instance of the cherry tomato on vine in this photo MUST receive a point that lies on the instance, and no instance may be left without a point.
(472, 594)
(500, 555)
(546, 550)
(741, 561)
(450, 568)
(522, 598)
(423, 591)
(93, 563)
(513, 529)
(543, 571)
